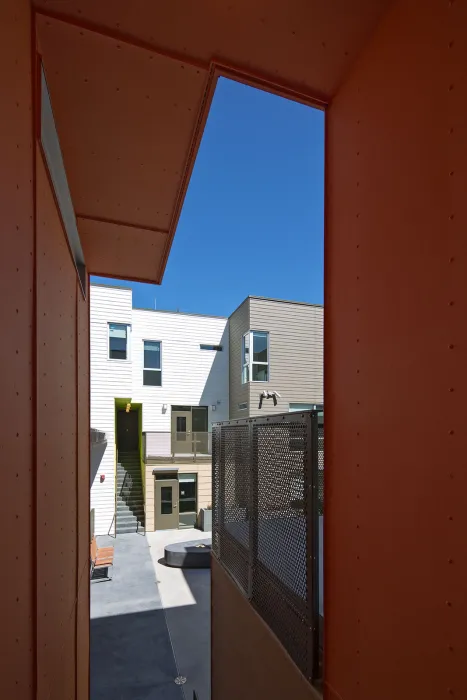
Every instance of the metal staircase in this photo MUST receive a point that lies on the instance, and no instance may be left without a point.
(130, 497)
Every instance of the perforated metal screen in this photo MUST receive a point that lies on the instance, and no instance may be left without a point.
(268, 494)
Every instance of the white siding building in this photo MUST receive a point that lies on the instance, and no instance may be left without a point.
(188, 355)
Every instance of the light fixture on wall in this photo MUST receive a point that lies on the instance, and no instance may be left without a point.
(213, 408)
(128, 407)
(164, 408)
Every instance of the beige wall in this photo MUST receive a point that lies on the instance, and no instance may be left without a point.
(295, 355)
(248, 661)
(238, 392)
(202, 469)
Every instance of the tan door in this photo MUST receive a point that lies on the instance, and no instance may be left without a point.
(182, 436)
(166, 504)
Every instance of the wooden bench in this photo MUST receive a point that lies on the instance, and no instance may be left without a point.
(101, 557)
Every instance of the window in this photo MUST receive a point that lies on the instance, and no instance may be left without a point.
(152, 372)
(211, 347)
(246, 358)
(187, 493)
(255, 364)
(293, 407)
(118, 336)
(242, 406)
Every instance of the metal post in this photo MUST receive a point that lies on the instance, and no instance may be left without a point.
(252, 506)
(312, 542)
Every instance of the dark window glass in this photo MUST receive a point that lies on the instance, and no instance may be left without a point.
(152, 355)
(199, 419)
(117, 341)
(187, 493)
(166, 500)
(259, 373)
(152, 377)
(260, 347)
(181, 424)
(211, 347)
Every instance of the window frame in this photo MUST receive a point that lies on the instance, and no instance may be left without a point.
(250, 363)
(128, 344)
(153, 369)
(210, 347)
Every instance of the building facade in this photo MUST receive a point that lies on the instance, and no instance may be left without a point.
(275, 347)
(158, 381)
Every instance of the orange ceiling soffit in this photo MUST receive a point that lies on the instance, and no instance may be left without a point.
(118, 35)
(126, 224)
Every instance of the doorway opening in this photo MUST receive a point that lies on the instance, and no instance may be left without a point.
(176, 500)
(190, 431)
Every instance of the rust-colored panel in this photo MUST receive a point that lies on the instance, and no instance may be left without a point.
(311, 44)
(395, 370)
(125, 118)
(121, 251)
(56, 451)
(83, 487)
(16, 356)
(242, 641)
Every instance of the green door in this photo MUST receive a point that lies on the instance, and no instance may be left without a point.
(166, 503)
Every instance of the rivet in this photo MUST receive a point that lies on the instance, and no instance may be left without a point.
(451, 217)
(451, 389)
(357, 215)
(451, 44)
(451, 432)
(451, 88)
(451, 347)
(450, 647)
(451, 173)
(451, 260)
(358, 371)
(448, 603)
(450, 517)
(451, 303)
(450, 561)
(358, 153)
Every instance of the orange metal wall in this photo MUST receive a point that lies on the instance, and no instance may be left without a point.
(16, 354)
(395, 365)
(44, 517)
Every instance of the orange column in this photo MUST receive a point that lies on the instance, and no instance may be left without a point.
(17, 434)
(395, 365)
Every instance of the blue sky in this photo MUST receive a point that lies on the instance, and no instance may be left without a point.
(252, 221)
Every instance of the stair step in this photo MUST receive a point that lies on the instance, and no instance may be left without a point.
(135, 510)
(129, 530)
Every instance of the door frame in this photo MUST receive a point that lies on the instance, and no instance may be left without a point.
(174, 524)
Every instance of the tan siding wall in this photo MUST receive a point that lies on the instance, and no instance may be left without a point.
(238, 325)
(204, 472)
(295, 353)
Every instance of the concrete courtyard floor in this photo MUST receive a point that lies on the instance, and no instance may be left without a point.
(150, 624)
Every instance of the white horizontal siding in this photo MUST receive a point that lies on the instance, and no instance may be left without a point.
(110, 379)
(190, 376)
